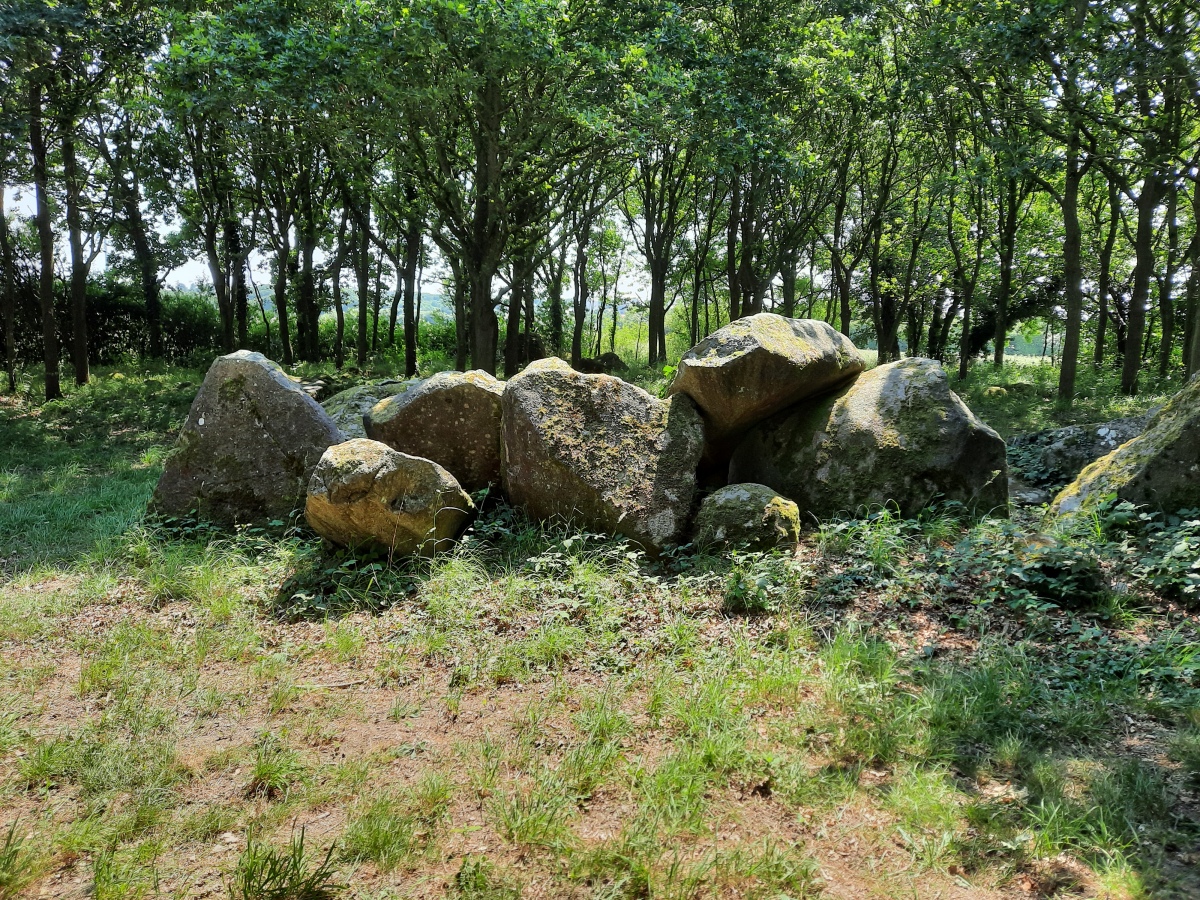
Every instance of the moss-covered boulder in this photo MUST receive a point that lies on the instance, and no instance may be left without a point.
(896, 435)
(452, 418)
(248, 446)
(365, 494)
(1160, 468)
(760, 365)
(600, 452)
(348, 408)
(751, 515)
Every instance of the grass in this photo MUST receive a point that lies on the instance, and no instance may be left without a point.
(544, 712)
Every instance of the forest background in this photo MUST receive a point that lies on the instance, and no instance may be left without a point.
(933, 177)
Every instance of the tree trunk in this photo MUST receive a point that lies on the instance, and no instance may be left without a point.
(8, 297)
(1072, 272)
(1104, 282)
(241, 291)
(79, 261)
(1009, 219)
(283, 257)
(147, 265)
(1166, 284)
(580, 303)
(1143, 271)
(37, 147)
(362, 275)
(412, 257)
(1191, 357)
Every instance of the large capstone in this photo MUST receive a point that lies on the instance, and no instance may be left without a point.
(349, 408)
(750, 515)
(600, 452)
(365, 494)
(249, 446)
(760, 365)
(896, 436)
(1160, 468)
(452, 418)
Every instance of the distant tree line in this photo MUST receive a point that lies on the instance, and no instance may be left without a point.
(927, 174)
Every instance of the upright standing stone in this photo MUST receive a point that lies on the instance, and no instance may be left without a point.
(897, 435)
(249, 446)
(452, 418)
(600, 452)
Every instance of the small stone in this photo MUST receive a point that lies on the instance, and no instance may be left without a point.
(751, 515)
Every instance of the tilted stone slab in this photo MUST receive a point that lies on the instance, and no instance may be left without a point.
(758, 366)
(249, 446)
(897, 435)
(600, 452)
(1160, 468)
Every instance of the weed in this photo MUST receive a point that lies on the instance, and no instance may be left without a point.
(268, 873)
(477, 879)
(20, 863)
(275, 770)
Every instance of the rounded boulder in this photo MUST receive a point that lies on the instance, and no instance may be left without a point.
(601, 452)
(452, 418)
(895, 436)
(365, 494)
(751, 515)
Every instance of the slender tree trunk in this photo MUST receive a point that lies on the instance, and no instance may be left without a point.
(1192, 356)
(512, 326)
(1166, 284)
(1143, 271)
(1009, 218)
(1104, 282)
(412, 257)
(8, 297)
(580, 303)
(283, 257)
(362, 273)
(241, 291)
(79, 262)
(37, 147)
(147, 264)
(1072, 272)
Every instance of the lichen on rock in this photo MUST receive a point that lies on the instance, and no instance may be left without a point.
(750, 515)
(600, 452)
(1160, 468)
(365, 494)
(758, 366)
(452, 418)
(248, 447)
(349, 408)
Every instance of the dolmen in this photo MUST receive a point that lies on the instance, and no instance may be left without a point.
(769, 423)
